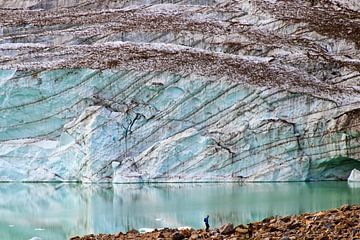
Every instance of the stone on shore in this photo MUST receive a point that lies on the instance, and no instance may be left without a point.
(227, 229)
(177, 236)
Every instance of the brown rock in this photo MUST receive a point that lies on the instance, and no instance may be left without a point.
(345, 207)
(273, 228)
(294, 225)
(133, 231)
(186, 233)
(216, 237)
(241, 229)
(159, 235)
(273, 220)
(286, 219)
(227, 229)
(75, 238)
(177, 236)
(194, 236)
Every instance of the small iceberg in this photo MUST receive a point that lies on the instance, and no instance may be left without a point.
(146, 230)
(354, 176)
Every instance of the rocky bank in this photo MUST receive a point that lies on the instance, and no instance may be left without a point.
(341, 223)
(154, 91)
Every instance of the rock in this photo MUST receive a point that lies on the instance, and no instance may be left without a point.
(345, 207)
(159, 235)
(294, 225)
(286, 219)
(216, 237)
(273, 228)
(117, 235)
(285, 238)
(354, 176)
(241, 231)
(133, 231)
(227, 229)
(266, 220)
(75, 238)
(177, 236)
(194, 236)
(186, 232)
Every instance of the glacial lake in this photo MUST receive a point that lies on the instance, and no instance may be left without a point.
(58, 211)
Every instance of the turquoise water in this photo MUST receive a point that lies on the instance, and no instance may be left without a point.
(58, 211)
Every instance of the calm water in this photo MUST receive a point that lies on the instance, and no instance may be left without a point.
(58, 211)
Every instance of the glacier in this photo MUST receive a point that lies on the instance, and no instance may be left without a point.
(191, 91)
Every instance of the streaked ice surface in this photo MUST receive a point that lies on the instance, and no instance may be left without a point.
(58, 211)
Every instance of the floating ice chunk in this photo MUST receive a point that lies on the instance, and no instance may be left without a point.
(145, 230)
(35, 238)
(354, 176)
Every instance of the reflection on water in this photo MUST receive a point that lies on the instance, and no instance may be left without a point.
(58, 211)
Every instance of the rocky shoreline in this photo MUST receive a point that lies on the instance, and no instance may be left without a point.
(339, 223)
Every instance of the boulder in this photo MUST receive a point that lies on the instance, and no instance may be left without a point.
(194, 236)
(177, 236)
(240, 230)
(133, 231)
(186, 232)
(227, 229)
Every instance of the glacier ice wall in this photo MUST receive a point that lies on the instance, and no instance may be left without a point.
(187, 91)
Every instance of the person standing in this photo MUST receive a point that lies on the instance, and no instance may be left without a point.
(206, 221)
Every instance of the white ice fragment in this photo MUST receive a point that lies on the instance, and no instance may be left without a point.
(354, 176)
